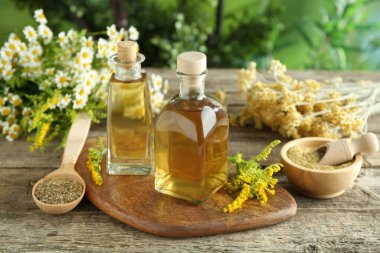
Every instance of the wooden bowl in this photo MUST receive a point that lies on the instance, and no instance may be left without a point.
(322, 184)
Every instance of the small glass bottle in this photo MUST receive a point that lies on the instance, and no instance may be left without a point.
(191, 137)
(129, 117)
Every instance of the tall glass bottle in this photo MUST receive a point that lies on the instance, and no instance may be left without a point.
(191, 137)
(129, 117)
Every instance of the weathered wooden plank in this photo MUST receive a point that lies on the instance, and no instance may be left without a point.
(248, 141)
(349, 223)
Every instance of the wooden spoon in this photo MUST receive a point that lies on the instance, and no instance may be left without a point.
(74, 144)
(341, 151)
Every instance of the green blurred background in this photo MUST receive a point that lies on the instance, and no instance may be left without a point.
(312, 34)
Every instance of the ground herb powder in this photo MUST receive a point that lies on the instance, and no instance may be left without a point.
(310, 157)
(58, 190)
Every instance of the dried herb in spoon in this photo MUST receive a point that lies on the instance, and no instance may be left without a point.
(58, 190)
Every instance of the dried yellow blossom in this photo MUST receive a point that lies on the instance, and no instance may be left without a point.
(298, 108)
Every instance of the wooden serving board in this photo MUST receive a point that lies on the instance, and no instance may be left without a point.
(134, 201)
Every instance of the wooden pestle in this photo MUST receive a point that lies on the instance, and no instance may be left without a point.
(344, 150)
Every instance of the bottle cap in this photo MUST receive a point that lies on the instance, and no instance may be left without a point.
(127, 51)
(191, 63)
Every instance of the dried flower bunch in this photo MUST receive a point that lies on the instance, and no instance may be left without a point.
(296, 108)
(46, 79)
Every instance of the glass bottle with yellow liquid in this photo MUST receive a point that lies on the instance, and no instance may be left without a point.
(191, 137)
(129, 117)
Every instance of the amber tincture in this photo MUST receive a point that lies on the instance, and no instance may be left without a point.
(191, 137)
(129, 118)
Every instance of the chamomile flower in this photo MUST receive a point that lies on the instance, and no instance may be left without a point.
(61, 79)
(81, 91)
(6, 53)
(14, 128)
(112, 32)
(72, 35)
(102, 94)
(3, 100)
(102, 48)
(26, 59)
(45, 33)
(35, 49)
(104, 76)
(80, 102)
(89, 83)
(26, 111)
(30, 33)
(156, 82)
(133, 33)
(87, 42)
(11, 45)
(62, 39)
(21, 47)
(64, 102)
(7, 72)
(5, 110)
(39, 16)
(13, 36)
(86, 55)
(49, 71)
(15, 100)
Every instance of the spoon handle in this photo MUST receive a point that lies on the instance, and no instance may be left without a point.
(75, 140)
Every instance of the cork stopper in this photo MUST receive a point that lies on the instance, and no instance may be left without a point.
(127, 51)
(192, 63)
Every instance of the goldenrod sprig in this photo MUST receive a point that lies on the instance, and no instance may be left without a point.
(251, 179)
(94, 160)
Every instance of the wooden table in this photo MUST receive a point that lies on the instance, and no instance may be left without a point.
(349, 223)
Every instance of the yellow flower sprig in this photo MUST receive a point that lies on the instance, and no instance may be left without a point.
(94, 160)
(251, 179)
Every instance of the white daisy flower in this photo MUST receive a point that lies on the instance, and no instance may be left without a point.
(133, 33)
(102, 48)
(64, 102)
(87, 42)
(14, 129)
(5, 110)
(26, 111)
(72, 35)
(86, 55)
(156, 82)
(30, 33)
(3, 100)
(45, 33)
(16, 100)
(112, 32)
(10, 137)
(89, 83)
(4, 126)
(49, 71)
(81, 91)
(11, 45)
(13, 37)
(62, 39)
(104, 76)
(39, 16)
(21, 47)
(44, 84)
(80, 102)
(61, 79)
(6, 53)
(7, 72)
(26, 59)
(36, 49)
(102, 94)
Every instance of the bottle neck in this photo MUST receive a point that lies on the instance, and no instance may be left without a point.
(192, 86)
(127, 71)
